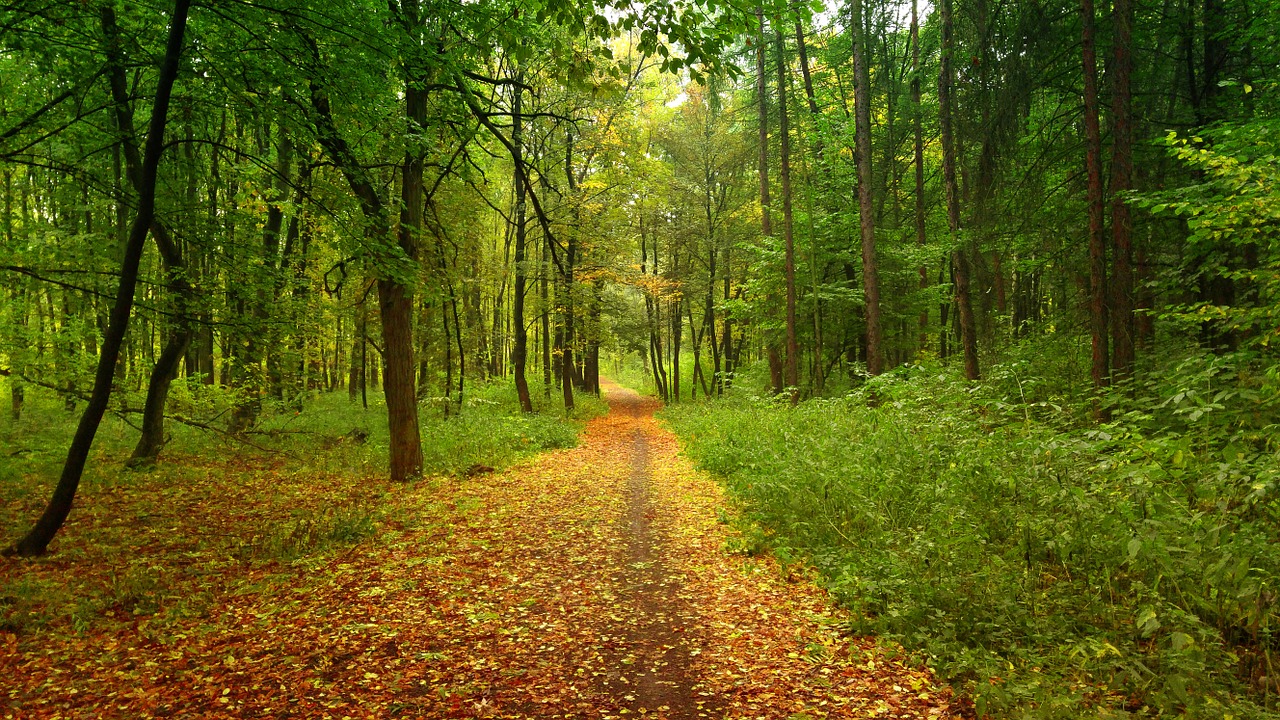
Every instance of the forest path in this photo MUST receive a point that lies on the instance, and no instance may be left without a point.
(588, 583)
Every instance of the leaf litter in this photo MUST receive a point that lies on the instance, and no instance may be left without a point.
(587, 583)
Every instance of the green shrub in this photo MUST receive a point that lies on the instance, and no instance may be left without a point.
(1036, 560)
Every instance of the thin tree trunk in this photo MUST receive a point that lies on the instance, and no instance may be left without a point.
(802, 51)
(866, 216)
(17, 395)
(727, 349)
(36, 542)
(567, 364)
(791, 367)
(593, 340)
(545, 316)
(1122, 321)
(1093, 165)
(166, 367)
(520, 351)
(766, 224)
(959, 254)
(916, 113)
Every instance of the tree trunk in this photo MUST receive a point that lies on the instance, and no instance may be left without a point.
(959, 254)
(919, 163)
(567, 364)
(727, 349)
(166, 366)
(1093, 165)
(37, 540)
(394, 299)
(866, 215)
(1122, 321)
(520, 349)
(544, 316)
(359, 338)
(791, 364)
(592, 371)
(817, 373)
(16, 297)
(766, 223)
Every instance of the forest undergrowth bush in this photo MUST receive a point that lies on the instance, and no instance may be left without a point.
(1048, 565)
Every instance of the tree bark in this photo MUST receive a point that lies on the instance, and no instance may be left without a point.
(520, 349)
(395, 294)
(1093, 165)
(165, 369)
(866, 214)
(791, 369)
(766, 223)
(917, 129)
(394, 298)
(959, 254)
(567, 364)
(1121, 319)
(36, 542)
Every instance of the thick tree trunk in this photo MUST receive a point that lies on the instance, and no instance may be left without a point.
(396, 303)
(1093, 165)
(1122, 320)
(394, 299)
(37, 541)
(866, 214)
(959, 254)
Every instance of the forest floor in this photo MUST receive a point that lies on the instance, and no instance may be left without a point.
(592, 582)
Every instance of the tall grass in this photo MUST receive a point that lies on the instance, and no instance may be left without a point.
(1050, 567)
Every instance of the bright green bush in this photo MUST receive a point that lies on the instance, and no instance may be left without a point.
(1036, 560)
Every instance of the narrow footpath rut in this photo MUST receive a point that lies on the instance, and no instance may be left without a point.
(590, 583)
(654, 668)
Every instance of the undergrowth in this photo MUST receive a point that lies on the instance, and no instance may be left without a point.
(222, 513)
(1047, 565)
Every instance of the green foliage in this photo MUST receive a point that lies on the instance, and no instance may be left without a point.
(1037, 561)
(492, 431)
(1233, 218)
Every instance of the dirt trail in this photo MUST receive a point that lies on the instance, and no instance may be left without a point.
(654, 668)
(588, 583)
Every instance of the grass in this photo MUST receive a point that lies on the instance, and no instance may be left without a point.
(222, 515)
(1047, 565)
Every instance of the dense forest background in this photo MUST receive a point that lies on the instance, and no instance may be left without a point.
(1017, 263)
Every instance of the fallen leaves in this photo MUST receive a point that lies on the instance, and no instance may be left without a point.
(588, 583)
